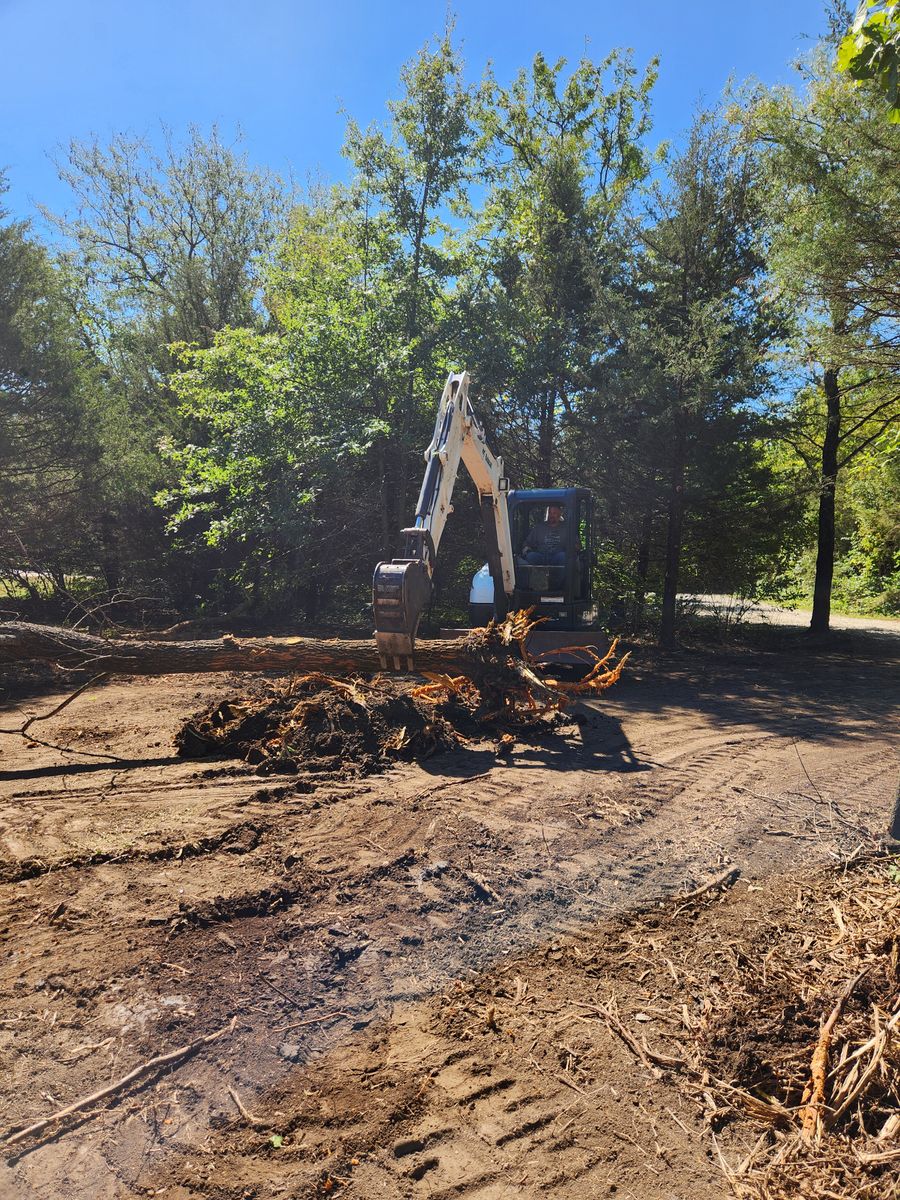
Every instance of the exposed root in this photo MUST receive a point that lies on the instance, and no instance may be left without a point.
(518, 695)
(805, 1041)
(356, 726)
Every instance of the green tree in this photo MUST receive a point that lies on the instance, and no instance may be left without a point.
(871, 50)
(868, 563)
(62, 436)
(563, 156)
(164, 247)
(687, 381)
(282, 485)
(310, 430)
(833, 192)
(410, 181)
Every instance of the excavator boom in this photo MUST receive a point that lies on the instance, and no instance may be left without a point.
(401, 588)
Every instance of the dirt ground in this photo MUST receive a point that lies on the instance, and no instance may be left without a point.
(408, 966)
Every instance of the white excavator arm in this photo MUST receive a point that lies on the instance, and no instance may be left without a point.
(401, 588)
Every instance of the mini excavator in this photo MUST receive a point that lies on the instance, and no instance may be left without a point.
(559, 593)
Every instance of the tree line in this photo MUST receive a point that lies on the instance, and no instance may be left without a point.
(215, 393)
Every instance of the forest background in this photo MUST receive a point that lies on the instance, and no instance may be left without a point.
(215, 387)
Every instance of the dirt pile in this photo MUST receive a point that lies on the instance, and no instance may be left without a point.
(339, 727)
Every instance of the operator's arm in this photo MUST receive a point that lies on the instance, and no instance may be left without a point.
(536, 537)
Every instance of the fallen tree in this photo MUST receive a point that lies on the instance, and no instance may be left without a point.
(493, 658)
(73, 649)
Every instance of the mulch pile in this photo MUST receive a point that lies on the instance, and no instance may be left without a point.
(796, 1028)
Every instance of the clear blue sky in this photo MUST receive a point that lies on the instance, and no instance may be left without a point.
(282, 70)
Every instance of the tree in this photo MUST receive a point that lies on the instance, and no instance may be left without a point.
(871, 50)
(867, 549)
(834, 191)
(54, 414)
(165, 247)
(312, 429)
(410, 179)
(562, 158)
(281, 484)
(692, 367)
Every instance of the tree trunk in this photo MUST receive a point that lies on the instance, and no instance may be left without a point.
(673, 538)
(821, 613)
(22, 642)
(545, 442)
(110, 565)
(642, 567)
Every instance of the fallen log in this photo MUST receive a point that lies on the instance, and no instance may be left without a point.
(71, 649)
(493, 658)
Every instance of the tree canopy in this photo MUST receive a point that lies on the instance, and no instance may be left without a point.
(216, 391)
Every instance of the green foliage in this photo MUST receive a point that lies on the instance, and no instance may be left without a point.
(279, 472)
(660, 328)
(867, 551)
(410, 180)
(871, 50)
(832, 190)
(562, 156)
(58, 425)
(163, 248)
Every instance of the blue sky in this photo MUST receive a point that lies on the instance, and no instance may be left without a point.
(283, 70)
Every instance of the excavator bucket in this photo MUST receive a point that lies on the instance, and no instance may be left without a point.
(401, 590)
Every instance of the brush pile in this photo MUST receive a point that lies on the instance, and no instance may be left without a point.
(352, 726)
(798, 1031)
(342, 728)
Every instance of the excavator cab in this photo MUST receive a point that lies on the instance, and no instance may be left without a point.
(553, 543)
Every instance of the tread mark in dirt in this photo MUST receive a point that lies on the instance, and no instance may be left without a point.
(235, 839)
(464, 1160)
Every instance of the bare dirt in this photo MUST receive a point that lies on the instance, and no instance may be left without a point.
(411, 958)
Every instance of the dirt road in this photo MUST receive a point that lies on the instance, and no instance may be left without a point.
(761, 612)
(348, 926)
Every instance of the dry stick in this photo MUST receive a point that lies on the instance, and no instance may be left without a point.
(879, 1044)
(728, 876)
(644, 1053)
(248, 1116)
(152, 1064)
(53, 711)
(812, 782)
(814, 1093)
(23, 729)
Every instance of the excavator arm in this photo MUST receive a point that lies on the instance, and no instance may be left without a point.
(401, 588)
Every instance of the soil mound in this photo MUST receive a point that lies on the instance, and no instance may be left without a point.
(318, 724)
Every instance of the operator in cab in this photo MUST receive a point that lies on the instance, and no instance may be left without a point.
(545, 545)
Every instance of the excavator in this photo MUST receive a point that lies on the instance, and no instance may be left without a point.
(557, 586)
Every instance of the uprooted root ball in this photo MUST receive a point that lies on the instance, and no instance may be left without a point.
(344, 727)
(355, 726)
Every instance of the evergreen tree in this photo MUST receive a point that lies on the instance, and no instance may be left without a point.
(833, 185)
